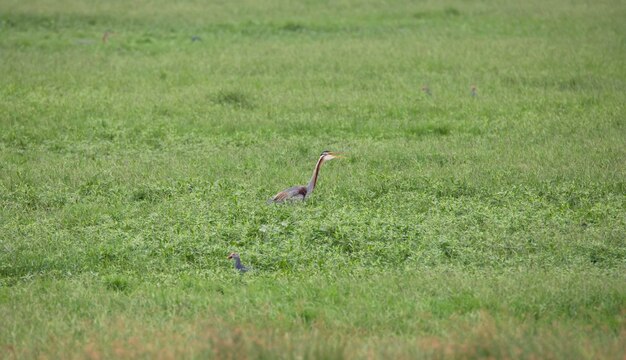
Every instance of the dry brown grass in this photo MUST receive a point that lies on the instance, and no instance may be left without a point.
(203, 338)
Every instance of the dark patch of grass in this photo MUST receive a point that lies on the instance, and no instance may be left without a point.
(234, 98)
(58, 22)
(151, 193)
(448, 12)
(428, 129)
(293, 27)
(451, 11)
(117, 282)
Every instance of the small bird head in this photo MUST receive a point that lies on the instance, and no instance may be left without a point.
(329, 155)
(233, 256)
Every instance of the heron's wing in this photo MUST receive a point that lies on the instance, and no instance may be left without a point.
(281, 196)
(292, 192)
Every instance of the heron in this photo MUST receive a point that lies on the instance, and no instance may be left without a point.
(301, 192)
(238, 265)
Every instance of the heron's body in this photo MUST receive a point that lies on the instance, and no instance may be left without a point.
(297, 192)
(301, 192)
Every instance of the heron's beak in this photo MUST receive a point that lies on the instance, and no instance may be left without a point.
(335, 155)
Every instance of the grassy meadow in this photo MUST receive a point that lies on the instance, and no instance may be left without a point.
(139, 142)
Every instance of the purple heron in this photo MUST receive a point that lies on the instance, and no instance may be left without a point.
(301, 192)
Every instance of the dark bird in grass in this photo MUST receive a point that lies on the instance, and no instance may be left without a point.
(301, 192)
(474, 90)
(238, 265)
(426, 90)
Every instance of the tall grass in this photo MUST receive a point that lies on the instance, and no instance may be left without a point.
(482, 217)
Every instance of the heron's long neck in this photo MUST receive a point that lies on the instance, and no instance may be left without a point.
(237, 263)
(316, 171)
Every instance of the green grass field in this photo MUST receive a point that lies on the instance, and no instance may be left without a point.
(457, 226)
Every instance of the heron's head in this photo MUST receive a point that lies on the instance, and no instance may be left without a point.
(233, 255)
(329, 155)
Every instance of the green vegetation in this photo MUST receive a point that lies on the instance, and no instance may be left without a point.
(464, 226)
